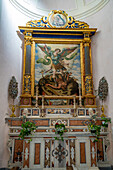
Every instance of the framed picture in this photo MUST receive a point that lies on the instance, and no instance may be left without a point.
(81, 112)
(87, 112)
(25, 109)
(57, 20)
(35, 112)
(57, 57)
(94, 110)
(58, 111)
(57, 68)
(90, 111)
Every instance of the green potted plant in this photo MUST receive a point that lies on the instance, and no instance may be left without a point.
(27, 129)
(60, 129)
(105, 121)
(94, 128)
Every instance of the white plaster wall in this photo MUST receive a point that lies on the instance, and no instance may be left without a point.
(102, 57)
(11, 59)
(10, 65)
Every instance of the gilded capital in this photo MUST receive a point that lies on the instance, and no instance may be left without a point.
(28, 40)
(86, 44)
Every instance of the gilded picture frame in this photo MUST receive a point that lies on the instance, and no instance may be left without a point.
(46, 42)
(49, 43)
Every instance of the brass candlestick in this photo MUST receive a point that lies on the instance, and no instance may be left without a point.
(36, 96)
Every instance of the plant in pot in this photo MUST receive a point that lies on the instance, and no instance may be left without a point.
(105, 121)
(27, 129)
(94, 128)
(60, 129)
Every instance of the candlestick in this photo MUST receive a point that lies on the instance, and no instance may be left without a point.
(80, 101)
(79, 90)
(37, 96)
(74, 102)
(42, 115)
(42, 102)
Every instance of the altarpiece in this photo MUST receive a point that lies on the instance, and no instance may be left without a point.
(57, 87)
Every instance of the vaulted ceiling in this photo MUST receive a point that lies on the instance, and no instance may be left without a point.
(76, 8)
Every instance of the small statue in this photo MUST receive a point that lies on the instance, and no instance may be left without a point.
(13, 92)
(24, 114)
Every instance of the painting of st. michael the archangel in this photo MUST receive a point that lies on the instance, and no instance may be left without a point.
(57, 69)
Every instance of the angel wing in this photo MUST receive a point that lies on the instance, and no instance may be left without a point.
(46, 49)
(46, 60)
(66, 51)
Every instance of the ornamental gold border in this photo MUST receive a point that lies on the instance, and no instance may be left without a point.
(32, 67)
(29, 39)
(91, 64)
(83, 30)
(50, 41)
(45, 21)
(24, 67)
(82, 68)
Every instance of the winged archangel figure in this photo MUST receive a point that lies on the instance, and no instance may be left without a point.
(56, 57)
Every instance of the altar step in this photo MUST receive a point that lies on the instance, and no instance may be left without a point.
(106, 168)
(66, 168)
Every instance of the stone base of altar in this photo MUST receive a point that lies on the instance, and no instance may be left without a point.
(53, 169)
(57, 168)
(72, 168)
(104, 165)
(77, 151)
(93, 168)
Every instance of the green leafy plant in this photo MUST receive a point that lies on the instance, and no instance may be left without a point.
(105, 121)
(60, 129)
(27, 129)
(96, 129)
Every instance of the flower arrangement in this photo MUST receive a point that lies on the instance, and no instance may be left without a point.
(27, 129)
(60, 129)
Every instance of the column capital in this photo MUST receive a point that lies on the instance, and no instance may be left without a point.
(28, 37)
(87, 43)
(87, 39)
